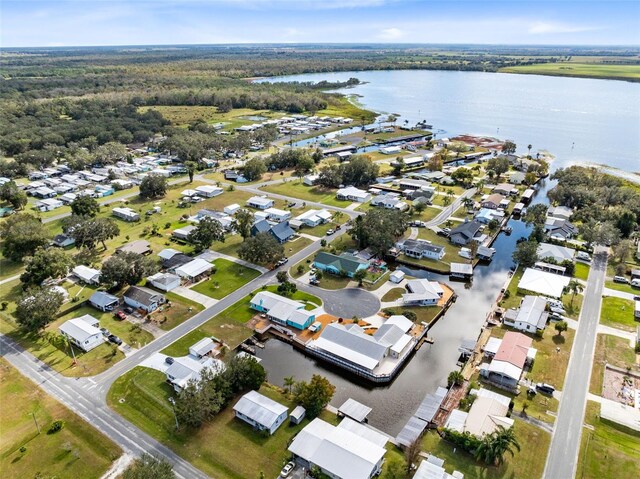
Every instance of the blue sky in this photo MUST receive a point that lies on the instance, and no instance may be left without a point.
(147, 22)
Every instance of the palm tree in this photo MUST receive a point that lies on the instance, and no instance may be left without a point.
(493, 446)
(468, 203)
(289, 381)
(455, 377)
(574, 288)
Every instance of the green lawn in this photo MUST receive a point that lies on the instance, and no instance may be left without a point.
(297, 189)
(618, 312)
(610, 350)
(228, 277)
(625, 288)
(9, 268)
(215, 448)
(588, 70)
(528, 463)
(393, 294)
(78, 450)
(608, 451)
(178, 311)
(582, 271)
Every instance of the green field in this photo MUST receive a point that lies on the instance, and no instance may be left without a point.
(625, 288)
(582, 271)
(609, 450)
(224, 447)
(588, 70)
(528, 463)
(228, 277)
(297, 189)
(77, 450)
(618, 312)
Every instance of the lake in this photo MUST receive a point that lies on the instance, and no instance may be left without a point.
(576, 119)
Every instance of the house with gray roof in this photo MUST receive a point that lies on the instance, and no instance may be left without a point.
(104, 301)
(83, 332)
(164, 281)
(419, 248)
(462, 234)
(560, 229)
(531, 316)
(139, 297)
(282, 232)
(261, 412)
(344, 263)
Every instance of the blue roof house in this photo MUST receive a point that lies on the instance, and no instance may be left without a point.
(346, 263)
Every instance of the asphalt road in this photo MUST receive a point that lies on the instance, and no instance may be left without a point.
(346, 303)
(562, 459)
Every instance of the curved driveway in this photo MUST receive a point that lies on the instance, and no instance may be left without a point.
(345, 303)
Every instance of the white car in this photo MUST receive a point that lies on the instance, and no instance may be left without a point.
(583, 256)
(557, 310)
(286, 470)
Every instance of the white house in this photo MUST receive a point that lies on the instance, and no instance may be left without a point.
(83, 332)
(531, 316)
(126, 214)
(232, 209)
(194, 270)
(164, 281)
(350, 450)
(202, 348)
(48, 204)
(420, 248)
(351, 193)
(209, 191)
(558, 253)
(187, 369)
(143, 298)
(311, 218)
(86, 274)
(277, 215)
(562, 212)
(260, 202)
(423, 292)
(390, 201)
(183, 233)
(397, 276)
(310, 180)
(261, 412)
(541, 282)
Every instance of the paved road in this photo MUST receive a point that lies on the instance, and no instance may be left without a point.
(449, 210)
(93, 409)
(565, 443)
(345, 303)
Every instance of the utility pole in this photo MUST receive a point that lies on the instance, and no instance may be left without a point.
(73, 354)
(173, 407)
(36, 421)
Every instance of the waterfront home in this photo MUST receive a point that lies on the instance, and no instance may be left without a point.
(164, 281)
(126, 214)
(137, 246)
(139, 297)
(487, 414)
(48, 204)
(517, 178)
(344, 263)
(530, 317)
(62, 241)
(505, 189)
(376, 355)
(351, 193)
(261, 412)
(260, 202)
(562, 212)
(280, 231)
(484, 253)
(560, 229)
(183, 233)
(514, 354)
(185, 369)
(390, 201)
(543, 282)
(414, 184)
(492, 201)
(354, 410)
(467, 231)
(86, 275)
(202, 348)
(311, 218)
(194, 270)
(282, 310)
(486, 215)
(83, 332)
(420, 248)
(104, 301)
(423, 292)
(209, 191)
(555, 252)
(350, 450)
(277, 215)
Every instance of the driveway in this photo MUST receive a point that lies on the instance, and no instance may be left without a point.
(346, 303)
(199, 298)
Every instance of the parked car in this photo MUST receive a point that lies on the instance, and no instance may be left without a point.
(635, 283)
(545, 388)
(555, 316)
(105, 332)
(584, 256)
(286, 470)
(120, 315)
(620, 279)
(314, 282)
(115, 339)
(338, 227)
(557, 310)
(636, 298)
(330, 231)
(128, 310)
(169, 360)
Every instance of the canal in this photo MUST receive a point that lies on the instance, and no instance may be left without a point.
(395, 403)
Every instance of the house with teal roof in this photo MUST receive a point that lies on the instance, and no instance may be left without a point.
(345, 263)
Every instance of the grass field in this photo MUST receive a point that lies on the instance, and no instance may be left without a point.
(299, 190)
(608, 450)
(582, 271)
(618, 312)
(528, 463)
(588, 70)
(185, 115)
(393, 294)
(228, 277)
(625, 288)
(609, 350)
(77, 450)
(180, 310)
(224, 447)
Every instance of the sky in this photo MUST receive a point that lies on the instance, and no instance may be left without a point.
(30, 23)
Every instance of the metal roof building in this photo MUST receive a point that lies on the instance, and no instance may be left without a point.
(260, 411)
(355, 410)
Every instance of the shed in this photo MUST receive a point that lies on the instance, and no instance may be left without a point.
(397, 276)
(297, 415)
(461, 270)
(232, 209)
(355, 410)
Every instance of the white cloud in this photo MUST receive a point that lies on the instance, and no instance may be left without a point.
(541, 28)
(390, 34)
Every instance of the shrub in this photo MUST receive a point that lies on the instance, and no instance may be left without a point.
(3, 305)
(55, 427)
(23, 450)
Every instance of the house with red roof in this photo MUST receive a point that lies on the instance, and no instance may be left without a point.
(513, 355)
